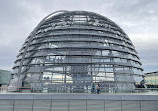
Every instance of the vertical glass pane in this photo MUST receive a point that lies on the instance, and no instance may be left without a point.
(6, 105)
(77, 105)
(148, 106)
(112, 105)
(23, 105)
(156, 102)
(130, 106)
(95, 105)
(42, 105)
(59, 105)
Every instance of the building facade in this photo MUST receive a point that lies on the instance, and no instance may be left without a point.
(5, 77)
(151, 79)
(70, 50)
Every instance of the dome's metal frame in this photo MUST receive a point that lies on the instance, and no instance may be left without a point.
(78, 48)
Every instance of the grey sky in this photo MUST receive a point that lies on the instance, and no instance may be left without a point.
(138, 18)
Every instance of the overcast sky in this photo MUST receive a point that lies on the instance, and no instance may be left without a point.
(138, 18)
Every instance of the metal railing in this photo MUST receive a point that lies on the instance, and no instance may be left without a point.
(89, 90)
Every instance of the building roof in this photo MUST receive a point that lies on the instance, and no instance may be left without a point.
(151, 73)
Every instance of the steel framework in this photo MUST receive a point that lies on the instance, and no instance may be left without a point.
(72, 50)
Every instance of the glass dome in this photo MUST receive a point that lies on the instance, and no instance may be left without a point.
(72, 49)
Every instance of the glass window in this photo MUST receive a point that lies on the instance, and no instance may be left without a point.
(148, 105)
(77, 105)
(113, 105)
(59, 105)
(23, 105)
(95, 105)
(130, 106)
(42, 105)
(6, 105)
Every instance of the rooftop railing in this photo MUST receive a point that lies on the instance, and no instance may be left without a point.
(89, 90)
